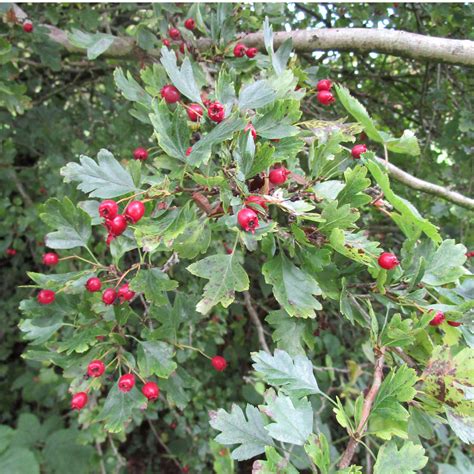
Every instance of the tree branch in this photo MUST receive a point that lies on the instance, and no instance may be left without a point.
(427, 187)
(363, 40)
(369, 400)
(256, 321)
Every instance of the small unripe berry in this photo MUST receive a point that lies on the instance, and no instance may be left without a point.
(151, 391)
(46, 296)
(140, 153)
(194, 112)
(219, 363)
(278, 175)
(239, 50)
(189, 150)
(248, 219)
(79, 400)
(216, 111)
(358, 150)
(325, 97)
(51, 259)
(117, 225)
(174, 33)
(454, 324)
(190, 24)
(135, 211)
(324, 85)
(250, 127)
(95, 368)
(108, 209)
(170, 94)
(126, 382)
(124, 293)
(388, 261)
(109, 296)
(166, 42)
(93, 284)
(27, 26)
(438, 319)
(251, 52)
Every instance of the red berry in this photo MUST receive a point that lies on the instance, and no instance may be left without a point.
(248, 219)
(126, 382)
(95, 368)
(379, 203)
(251, 52)
(182, 47)
(135, 211)
(278, 175)
(109, 296)
(256, 200)
(173, 425)
(219, 363)
(46, 296)
(108, 209)
(250, 127)
(325, 97)
(51, 259)
(324, 85)
(454, 324)
(170, 94)
(117, 225)
(185, 469)
(140, 153)
(190, 24)
(174, 33)
(27, 26)
(438, 319)
(468, 254)
(79, 400)
(151, 390)
(194, 112)
(11, 252)
(166, 42)
(124, 293)
(93, 284)
(189, 150)
(388, 261)
(216, 111)
(239, 50)
(358, 150)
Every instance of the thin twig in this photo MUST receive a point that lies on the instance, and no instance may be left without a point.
(256, 321)
(98, 447)
(367, 406)
(163, 445)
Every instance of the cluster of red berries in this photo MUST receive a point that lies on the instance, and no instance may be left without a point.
(240, 50)
(439, 318)
(175, 34)
(117, 223)
(324, 95)
(110, 295)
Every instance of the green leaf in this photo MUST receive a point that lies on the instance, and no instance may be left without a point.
(287, 332)
(72, 223)
(337, 217)
(256, 95)
(71, 282)
(104, 179)
(225, 90)
(118, 408)
(95, 43)
(130, 88)
(446, 265)
(61, 447)
(225, 275)
(276, 122)
(195, 239)
(246, 430)
(274, 464)
(174, 388)
(153, 283)
(293, 375)
(406, 460)
(326, 158)
(19, 461)
(317, 448)
(406, 144)
(293, 288)
(263, 160)
(39, 330)
(292, 419)
(244, 155)
(182, 78)
(6, 435)
(356, 183)
(156, 358)
(463, 465)
(408, 219)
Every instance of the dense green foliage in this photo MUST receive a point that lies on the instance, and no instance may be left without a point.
(329, 311)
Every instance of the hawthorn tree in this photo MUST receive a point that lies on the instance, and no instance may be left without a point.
(219, 279)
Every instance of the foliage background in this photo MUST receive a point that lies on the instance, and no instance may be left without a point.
(54, 107)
